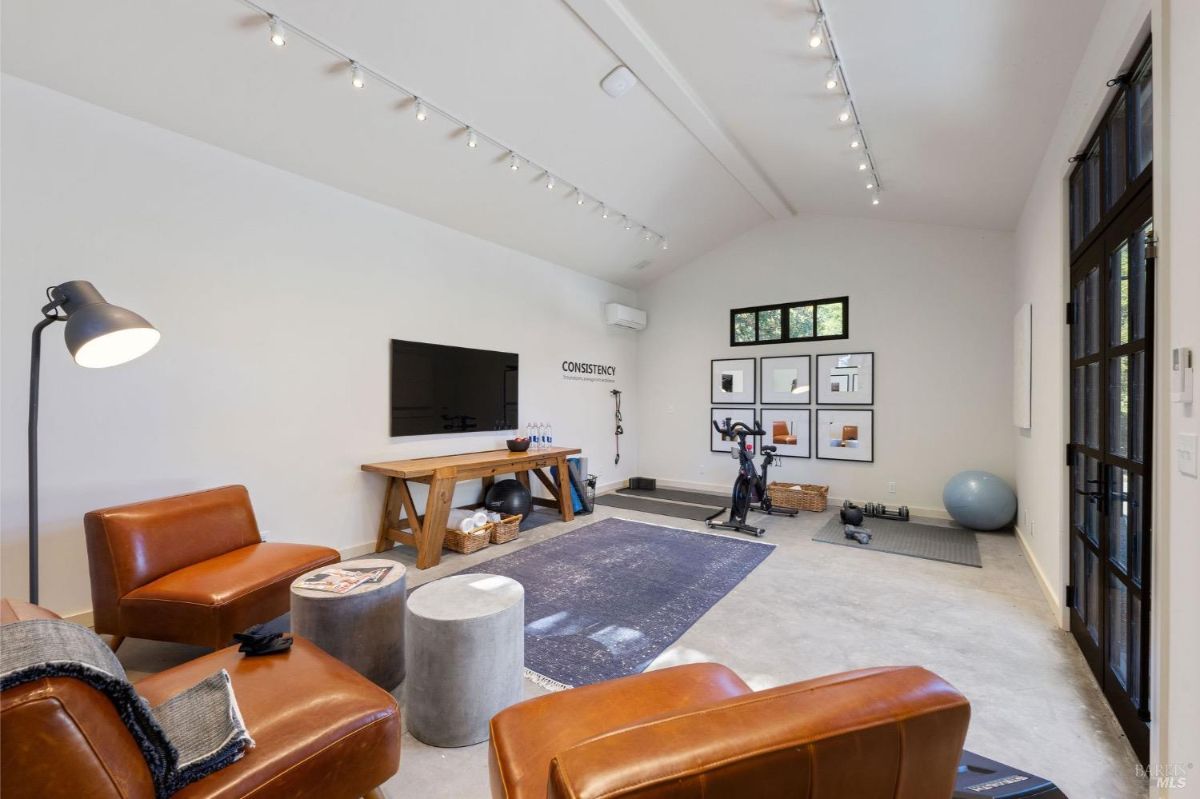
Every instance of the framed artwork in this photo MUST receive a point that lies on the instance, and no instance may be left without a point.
(785, 380)
(846, 378)
(789, 430)
(719, 443)
(846, 434)
(733, 381)
(1023, 367)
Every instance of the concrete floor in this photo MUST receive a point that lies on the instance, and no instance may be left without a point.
(812, 609)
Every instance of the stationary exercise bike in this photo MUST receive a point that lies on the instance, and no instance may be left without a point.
(749, 488)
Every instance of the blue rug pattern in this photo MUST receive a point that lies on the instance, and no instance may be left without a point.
(605, 600)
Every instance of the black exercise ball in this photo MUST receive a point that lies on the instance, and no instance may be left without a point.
(852, 516)
(508, 497)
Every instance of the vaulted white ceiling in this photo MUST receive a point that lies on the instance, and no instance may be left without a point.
(730, 126)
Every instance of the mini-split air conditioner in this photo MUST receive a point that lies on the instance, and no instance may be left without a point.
(623, 316)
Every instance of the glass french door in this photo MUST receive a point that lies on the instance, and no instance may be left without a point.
(1111, 314)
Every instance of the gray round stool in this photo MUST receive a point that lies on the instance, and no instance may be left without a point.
(466, 656)
(363, 628)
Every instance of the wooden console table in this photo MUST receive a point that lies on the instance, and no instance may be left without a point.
(426, 532)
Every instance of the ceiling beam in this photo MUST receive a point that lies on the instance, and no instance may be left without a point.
(621, 33)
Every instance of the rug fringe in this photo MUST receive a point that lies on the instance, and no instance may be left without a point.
(543, 681)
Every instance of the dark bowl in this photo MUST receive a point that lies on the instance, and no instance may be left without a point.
(517, 446)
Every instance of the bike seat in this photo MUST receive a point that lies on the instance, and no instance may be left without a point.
(768, 448)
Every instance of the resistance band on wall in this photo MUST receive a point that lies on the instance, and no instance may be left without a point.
(620, 431)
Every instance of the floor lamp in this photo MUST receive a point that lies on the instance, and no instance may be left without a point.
(98, 335)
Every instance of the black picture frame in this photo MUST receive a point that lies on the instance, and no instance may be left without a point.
(712, 394)
(763, 386)
(712, 417)
(769, 437)
(817, 440)
(819, 377)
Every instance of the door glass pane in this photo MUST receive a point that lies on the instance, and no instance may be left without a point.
(1091, 312)
(1137, 405)
(800, 321)
(1092, 491)
(743, 327)
(829, 319)
(1135, 528)
(1091, 406)
(770, 325)
(1137, 282)
(1091, 188)
(1118, 630)
(1118, 406)
(1142, 90)
(1077, 577)
(1091, 578)
(1118, 295)
(1077, 405)
(1134, 684)
(1117, 178)
(1078, 493)
(1076, 190)
(1119, 507)
(1077, 300)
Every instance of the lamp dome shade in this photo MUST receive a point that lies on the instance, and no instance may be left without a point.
(100, 334)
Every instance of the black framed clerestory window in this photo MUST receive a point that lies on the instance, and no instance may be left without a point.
(790, 322)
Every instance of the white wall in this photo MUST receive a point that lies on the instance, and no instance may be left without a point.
(276, 297)
(1180, 693)
(933, 303)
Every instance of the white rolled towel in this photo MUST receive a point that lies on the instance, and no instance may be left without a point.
(481, 518)
(466, 520)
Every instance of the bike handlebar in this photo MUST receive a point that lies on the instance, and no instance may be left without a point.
(732, 429)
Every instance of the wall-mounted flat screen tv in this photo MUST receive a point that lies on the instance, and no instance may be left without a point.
(437, 389)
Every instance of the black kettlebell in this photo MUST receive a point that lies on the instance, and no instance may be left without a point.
(852, 516)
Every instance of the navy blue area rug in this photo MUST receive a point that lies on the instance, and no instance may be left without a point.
(605, 600)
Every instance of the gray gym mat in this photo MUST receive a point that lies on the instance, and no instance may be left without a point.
(677, 509)
(679, 495)
(949, 544)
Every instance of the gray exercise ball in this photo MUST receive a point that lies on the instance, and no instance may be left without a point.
(979, 500)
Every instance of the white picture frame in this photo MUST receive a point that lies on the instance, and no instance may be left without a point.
(846, 434)
(785, 379)
(789, 430)
(746, 416)
(733, 381)
(1023, 367)
(846, 378)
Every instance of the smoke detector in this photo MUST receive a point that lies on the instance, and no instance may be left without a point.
(618, 82)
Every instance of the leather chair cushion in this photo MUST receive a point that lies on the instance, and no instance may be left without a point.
(527, 736)
(207, 602)
(320, 729)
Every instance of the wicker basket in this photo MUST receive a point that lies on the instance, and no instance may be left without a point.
(506, 529)
(466, 543)
(799, 496)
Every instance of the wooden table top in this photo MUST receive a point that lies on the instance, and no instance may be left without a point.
(424, 467)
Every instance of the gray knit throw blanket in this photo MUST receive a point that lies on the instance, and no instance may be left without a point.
(191, 735)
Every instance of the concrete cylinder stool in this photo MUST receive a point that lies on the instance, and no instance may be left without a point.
(466, 656)
(364, 627)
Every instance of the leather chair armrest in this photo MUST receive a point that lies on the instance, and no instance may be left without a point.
(875, 734)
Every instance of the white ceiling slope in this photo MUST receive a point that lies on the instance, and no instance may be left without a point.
(729, 127)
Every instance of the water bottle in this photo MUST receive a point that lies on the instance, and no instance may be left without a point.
(549, 435)
(537, 435)
(528, 430)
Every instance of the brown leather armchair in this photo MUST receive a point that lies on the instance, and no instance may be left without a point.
(699, 731)
(321, 730)
(190, 568)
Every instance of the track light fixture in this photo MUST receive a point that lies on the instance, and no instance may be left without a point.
(831, 77)
(279, 31)
(855, 143)
(862, 166)
(278, 34)
(875, 199)
(870, 184)
(815, 36)
(847, 112)
(663, 245)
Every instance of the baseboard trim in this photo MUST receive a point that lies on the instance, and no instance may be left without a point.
(723, 488)
(1057, 607)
